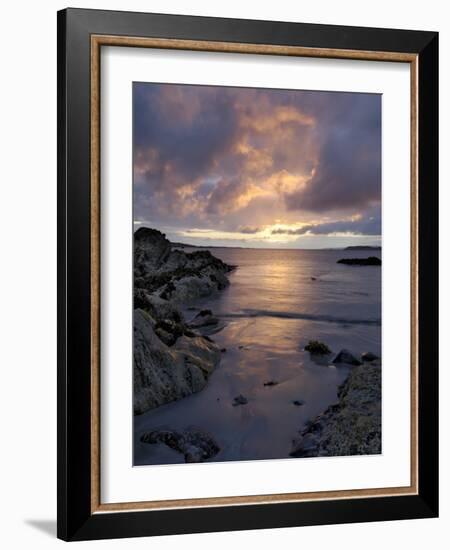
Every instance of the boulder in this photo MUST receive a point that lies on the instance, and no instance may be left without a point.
(159, 308)
(317, 348)
(368, 356)
(162, 373)
(239, 400)
(195, 445)
(204, 319)
(347, 357)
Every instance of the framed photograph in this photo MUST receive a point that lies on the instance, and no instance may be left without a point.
(248, 297)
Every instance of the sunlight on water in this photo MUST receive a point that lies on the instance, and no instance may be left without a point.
(277, 301)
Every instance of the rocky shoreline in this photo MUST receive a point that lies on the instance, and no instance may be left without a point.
(352, 426)
(172, 358)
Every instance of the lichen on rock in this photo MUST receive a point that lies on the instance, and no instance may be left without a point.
(352, 426)
(162, 373)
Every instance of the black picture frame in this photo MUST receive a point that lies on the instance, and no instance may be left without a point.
(75, 518)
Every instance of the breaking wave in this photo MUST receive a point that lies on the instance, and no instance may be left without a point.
(251, 313)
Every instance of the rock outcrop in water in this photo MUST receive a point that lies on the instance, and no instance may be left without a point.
(371, 260)
(345, 356)
(317, 348)
(352, 426)
(171, 358)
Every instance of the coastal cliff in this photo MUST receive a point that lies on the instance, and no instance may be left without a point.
(171, 358)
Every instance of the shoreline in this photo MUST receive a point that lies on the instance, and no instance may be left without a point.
(248, 384)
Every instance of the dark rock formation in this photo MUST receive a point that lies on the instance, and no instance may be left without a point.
(164, 373)
(347, 357)
(371, 260)
(271, 383)
(157, 307)
(171, 358)
(368, 356)
(298, 402)
(317, 348)
(206, 322)
(362, 247)
(352, 426)
(195, 445)
(175, 275)
(239, 400)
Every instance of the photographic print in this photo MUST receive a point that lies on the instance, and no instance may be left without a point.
(257, 273)
(247, 274)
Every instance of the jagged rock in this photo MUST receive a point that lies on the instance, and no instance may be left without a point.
(239, 400)
(151, 249)
(169, 331)
(171, 359)
(168, 338)
(162, 373)
(368, 356)
(158, 308)
(317, 348)
(371, 260)
(195, 445)
(352, 426)
(175, 275)
(204, 319)
(347, 357)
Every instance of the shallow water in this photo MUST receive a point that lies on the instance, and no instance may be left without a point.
(272, 308)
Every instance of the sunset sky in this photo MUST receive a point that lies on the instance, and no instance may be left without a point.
(257, 168)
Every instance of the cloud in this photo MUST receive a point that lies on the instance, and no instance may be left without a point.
(241, 158)
(249, 230)
(348, 171)
(368, 225)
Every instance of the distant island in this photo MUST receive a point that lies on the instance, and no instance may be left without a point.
(362, 247)
(372, 260)
(356, 247)
(186, 245)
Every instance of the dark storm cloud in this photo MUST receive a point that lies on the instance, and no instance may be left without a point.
(239, 159)
(187, 133)
(348, 171)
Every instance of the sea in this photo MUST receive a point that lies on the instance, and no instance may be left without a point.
(277, 301)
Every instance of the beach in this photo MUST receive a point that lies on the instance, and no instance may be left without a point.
(275, 303)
